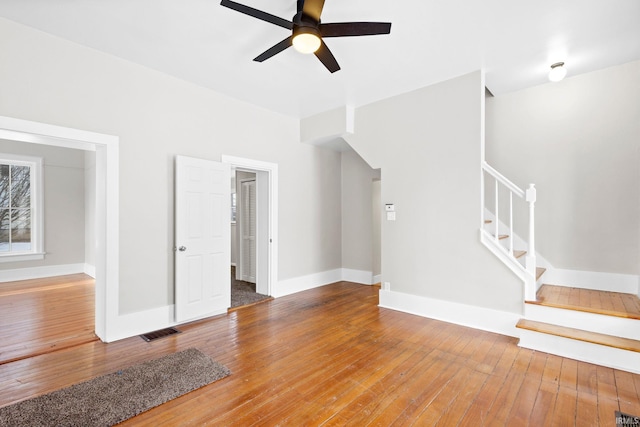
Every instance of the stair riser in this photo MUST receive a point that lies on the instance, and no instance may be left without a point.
(609, 325)
(579, 350)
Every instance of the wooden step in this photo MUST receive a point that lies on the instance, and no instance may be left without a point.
(580, 335)
(519, 254)
(487, 221)
(539, 272)
(588, 300)
(501, 237)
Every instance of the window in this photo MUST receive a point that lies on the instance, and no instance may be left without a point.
(20, 208)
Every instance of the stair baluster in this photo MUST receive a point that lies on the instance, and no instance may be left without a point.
(508, 255)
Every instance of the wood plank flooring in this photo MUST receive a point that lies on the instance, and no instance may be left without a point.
(44, 315)
(331, 356)
(599, 302)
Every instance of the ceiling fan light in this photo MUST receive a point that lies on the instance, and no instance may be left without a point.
(557, 72)
(306, 42)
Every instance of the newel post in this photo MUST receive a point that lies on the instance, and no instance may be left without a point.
(530, 289)
(530, 196)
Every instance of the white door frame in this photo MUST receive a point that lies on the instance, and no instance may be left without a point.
(106, 148)
(267, 246)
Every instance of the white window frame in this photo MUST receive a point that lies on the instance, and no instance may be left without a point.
(37, 208)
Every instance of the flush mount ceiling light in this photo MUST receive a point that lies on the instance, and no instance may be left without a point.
(557, 72)
(306, 40)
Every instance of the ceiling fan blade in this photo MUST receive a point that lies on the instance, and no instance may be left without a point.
(313, 8)
(275, 49)
(264, 16)
(326, 57)
(344, 29)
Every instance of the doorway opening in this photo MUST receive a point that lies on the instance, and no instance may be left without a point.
(256, 227)
(33, 280)
(243, 242)
(106, 206)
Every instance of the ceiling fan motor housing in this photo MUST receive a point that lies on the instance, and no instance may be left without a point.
(308, 32)
(301, 20)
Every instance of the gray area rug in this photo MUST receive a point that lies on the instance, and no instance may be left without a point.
(113, 398)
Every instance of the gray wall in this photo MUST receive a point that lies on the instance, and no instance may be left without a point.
(50, 80)
(64, 203)
(427, 143)
(357, 215)
(579, 141)
(377, 207)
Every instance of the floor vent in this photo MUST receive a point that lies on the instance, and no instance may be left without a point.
(152, 336)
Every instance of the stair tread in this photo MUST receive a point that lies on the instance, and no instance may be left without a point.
(580, 335)
(588, 300)
(518, 254)
(539, 272)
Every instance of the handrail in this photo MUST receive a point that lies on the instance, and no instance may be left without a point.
(504, 181)
(529, 197)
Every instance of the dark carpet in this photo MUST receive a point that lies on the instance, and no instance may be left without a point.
(113, 398)
(244, 293)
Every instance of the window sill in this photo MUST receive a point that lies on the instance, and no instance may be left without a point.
(32, 256)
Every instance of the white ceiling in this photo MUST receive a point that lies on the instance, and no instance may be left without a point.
(515, 41)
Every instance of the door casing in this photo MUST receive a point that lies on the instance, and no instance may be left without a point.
(267, 220)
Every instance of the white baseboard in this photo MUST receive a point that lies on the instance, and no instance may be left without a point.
(40, 272)
(303, 283)
(377, 278)
(132, 324)
(357, 276)
(612, 282)
(90, 270)
(500, 322)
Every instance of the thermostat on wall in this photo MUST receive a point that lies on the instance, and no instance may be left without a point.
(390, 207)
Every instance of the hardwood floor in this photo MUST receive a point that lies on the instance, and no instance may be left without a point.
(600, 302)
(44, 315)
(331, 356)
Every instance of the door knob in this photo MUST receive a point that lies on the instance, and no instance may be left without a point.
(182, 248)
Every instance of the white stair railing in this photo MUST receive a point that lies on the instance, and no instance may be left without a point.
(507, 254)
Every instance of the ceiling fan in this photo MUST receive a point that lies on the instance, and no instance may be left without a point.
(307, 32)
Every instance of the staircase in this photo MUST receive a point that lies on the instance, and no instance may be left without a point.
(593, 326)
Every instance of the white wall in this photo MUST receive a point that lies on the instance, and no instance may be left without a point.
(50, 80)
(427, 144)
(64, 204)
(357, 215)
(579, 141)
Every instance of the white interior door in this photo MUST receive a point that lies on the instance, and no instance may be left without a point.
(248, 230)
(203, 238)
